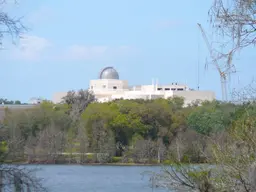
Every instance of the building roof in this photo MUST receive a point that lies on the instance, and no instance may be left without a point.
(109, 73)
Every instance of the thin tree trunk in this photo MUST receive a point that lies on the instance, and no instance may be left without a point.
(158, 155)
(178, 149)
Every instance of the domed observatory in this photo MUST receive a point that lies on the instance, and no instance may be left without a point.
(108, 83)
(108, 73)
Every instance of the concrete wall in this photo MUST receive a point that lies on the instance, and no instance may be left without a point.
(147, 88)
(191, 96)
(57, 97)
(146, 92)
(101, 85)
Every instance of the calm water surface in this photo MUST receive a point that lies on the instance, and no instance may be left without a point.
(76, 178)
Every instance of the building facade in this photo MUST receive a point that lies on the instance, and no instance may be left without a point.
(35, 100)
(109, 87)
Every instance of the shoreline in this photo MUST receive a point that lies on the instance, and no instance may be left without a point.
(88, 164)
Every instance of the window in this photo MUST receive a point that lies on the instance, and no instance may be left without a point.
(173, 89)
(91, 87)
(159, 89)
(104, 86)
(180, 89)
(114, 87)
(167, 89)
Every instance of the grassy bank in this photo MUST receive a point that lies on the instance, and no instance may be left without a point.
(91, 159)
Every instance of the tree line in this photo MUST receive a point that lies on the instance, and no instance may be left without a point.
(232, 146)
(80, 130)
(10, 102)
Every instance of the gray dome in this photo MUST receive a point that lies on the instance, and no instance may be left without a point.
(109, 73)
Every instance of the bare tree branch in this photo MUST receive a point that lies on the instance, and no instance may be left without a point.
(234, 20)
(78, 102)
(10, 26)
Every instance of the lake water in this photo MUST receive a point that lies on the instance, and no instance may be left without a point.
(77, 178)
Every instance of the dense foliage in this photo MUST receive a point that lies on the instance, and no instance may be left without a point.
(140, 131)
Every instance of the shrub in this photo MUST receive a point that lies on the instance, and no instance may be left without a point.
(167, 162)
(154, 161)
(91, 158)
(185, 159)
(103, 158)
(130, 160)
(116, 159)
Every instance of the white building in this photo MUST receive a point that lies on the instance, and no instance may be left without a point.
(109, 87)
(35, 100)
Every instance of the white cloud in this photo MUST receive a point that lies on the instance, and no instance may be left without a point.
(82, 52)
(31, 48)
(34, 48)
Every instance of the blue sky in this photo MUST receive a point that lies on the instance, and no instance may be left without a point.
(70, 42)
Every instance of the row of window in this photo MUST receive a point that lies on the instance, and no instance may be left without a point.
(168, 89)
(159, 89)
(104, 86)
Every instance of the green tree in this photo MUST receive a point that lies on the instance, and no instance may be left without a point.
(127, 122)
(207, 119)
(98, 115)
(17, 102)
